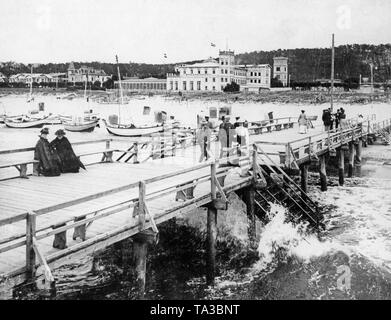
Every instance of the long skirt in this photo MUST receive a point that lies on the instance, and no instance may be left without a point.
(302, 128)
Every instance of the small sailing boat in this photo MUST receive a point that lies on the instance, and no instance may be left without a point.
(115, 127)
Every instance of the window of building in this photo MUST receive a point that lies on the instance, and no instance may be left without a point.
(226, 71)
(199, 71)
(222, 79)
(251, 80)
(206, 87)
(222, 62)
(214, 79)
(191, 86)
(206, 71)
(284, 68)
(206, 79)
(259, 80)
(222, 87)
(251, 74)
(277, 68)
(184, 85)
(226, 79)
(222, 70)
(214, 71)
(213, 88)
(176, 85)
(171, 85)
(191, 71)
(198, 85)
(226, 62)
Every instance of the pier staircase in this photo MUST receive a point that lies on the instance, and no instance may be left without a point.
(281, 189)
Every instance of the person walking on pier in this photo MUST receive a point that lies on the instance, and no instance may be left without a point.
(337, 118)
(69, 162)
(326, 118)
(303, 122)
(242, 137)
(203, 138)
(48, 160)
(342, 119)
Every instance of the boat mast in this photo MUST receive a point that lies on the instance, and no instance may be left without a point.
(31, 83)
(120, 91)
(85, 87)
(332, 74)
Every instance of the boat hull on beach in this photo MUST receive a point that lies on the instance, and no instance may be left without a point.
(133, 132)
(87, 126)
(24, 124)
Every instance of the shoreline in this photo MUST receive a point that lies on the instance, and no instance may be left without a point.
(278, 97)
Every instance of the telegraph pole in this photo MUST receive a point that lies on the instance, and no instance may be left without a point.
(332, 73)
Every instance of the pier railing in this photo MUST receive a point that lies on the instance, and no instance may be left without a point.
(141, 194)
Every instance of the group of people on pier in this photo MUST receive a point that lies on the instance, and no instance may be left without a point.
(330, 119)
(229, 135)
(55, 157)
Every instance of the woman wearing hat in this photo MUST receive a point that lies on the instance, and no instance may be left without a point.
(48, 160)
(69, 162)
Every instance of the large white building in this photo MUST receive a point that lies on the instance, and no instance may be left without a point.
(214, 75)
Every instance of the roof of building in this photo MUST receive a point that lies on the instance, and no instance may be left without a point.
(280, 58)
(150, 79)
(204, 64)
(254, 65)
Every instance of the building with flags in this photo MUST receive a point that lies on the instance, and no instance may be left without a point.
(214, 75)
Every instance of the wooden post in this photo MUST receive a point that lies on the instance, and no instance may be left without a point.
(174, 140)
(351, 159)
(140, 249)
(135, 150)
(30, 253)
(162, 147)
(304, 177)
(249, 200)
(23, 171)
(35, 169)
(288, 156)
(211, 249)
(141, 203)
(322, 173)
(213, 181)
(357, 159)
(341, 166)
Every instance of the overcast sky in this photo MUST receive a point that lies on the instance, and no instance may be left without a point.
(143, 30)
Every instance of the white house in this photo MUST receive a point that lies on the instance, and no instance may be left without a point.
(214, 75)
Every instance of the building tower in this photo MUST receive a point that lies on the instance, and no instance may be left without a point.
(227, 63)
(280, 69)
(71, 73)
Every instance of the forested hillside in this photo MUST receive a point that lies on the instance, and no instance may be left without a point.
(304, 64)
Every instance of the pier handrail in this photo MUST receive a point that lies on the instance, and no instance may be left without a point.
(32, 235)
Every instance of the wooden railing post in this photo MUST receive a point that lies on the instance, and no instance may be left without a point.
(30, 253)
(141, 204)
(135, 150)
(288, 155)
(174, 141)
(213, 180)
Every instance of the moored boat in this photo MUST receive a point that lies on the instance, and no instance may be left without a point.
(132, 130)
(83, 126)
(25, 122)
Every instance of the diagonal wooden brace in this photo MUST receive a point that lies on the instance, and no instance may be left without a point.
(48, 282)
(220, 203)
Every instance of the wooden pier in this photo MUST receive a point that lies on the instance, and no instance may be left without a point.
(135, 186)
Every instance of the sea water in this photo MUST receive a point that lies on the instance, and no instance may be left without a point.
(351, 259)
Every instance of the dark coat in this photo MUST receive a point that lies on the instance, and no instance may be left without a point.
(47, 157)
(326, 118)
(230, 132)
(69, 162)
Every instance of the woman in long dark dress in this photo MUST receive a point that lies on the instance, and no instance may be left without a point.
(69, 162)
(48, 164)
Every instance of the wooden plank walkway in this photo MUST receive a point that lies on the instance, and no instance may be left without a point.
(108, 192)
